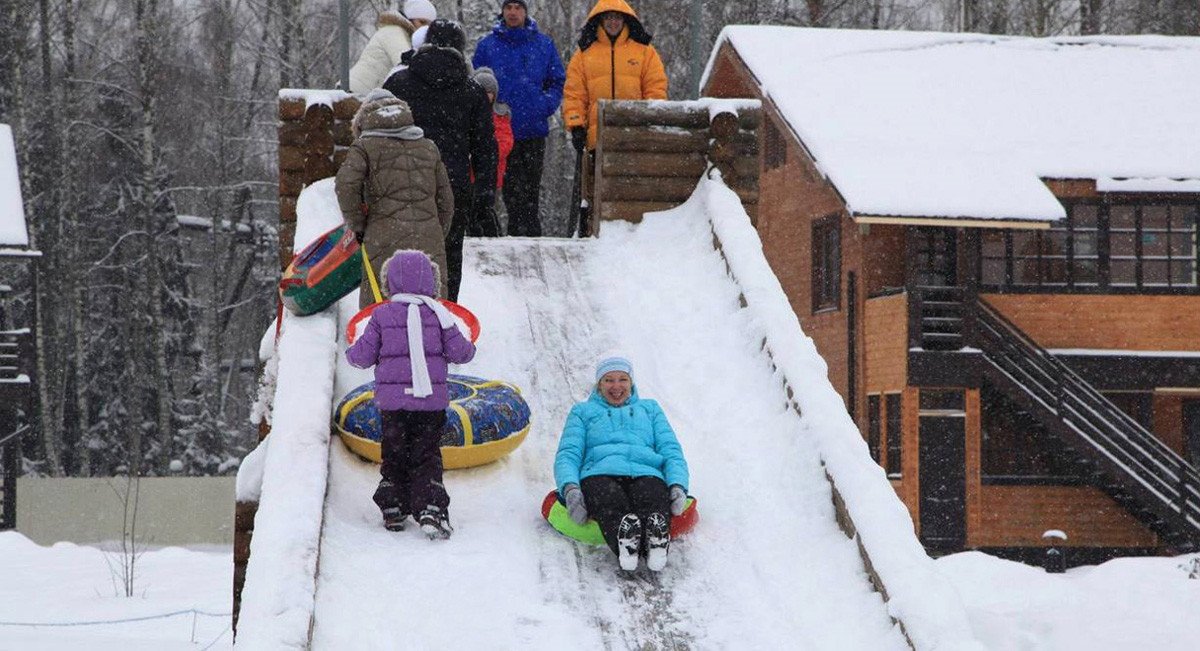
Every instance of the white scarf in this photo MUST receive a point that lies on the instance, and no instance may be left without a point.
(422, 386)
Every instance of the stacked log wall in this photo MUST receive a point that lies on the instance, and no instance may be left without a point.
(651, 154)
(314, 134)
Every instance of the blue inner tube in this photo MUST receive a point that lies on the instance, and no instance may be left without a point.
(495, 411)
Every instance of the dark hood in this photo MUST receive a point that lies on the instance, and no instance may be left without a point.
(440, 67)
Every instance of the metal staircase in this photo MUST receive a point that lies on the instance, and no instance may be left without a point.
(1127, 461)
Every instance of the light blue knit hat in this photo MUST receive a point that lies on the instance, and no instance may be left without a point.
(614, 363)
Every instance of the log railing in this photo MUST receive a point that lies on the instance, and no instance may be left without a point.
(651, 154)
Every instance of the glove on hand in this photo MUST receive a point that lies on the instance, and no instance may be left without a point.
(678, 499)
(578, 138)
(573, 497)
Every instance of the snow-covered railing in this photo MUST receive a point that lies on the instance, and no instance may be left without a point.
(927, 608)
(281, 577)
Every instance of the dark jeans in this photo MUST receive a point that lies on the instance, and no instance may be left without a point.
(522, 184)
(463, 200)
(610, 497)
(412, 461)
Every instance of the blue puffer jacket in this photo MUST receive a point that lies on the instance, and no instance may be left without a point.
(633, 440)
(530, 73)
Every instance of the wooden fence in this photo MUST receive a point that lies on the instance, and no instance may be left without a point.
(651, 154)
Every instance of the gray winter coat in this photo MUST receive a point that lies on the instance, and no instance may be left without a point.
(398, 175)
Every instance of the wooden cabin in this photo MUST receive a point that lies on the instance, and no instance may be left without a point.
(993, 243)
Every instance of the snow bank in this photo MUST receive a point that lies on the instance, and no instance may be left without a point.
(12, 210)
(277, 601)
(1127, 603)
(928, 607)
(181, 598)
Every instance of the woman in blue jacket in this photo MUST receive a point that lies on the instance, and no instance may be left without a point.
(619, 461)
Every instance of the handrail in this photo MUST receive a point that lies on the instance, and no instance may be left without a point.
(1096, 398)
(1157, 468)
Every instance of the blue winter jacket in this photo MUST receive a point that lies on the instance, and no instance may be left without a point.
(633, 440)
(529, 71)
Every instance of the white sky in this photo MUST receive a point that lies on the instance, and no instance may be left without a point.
(938, 124)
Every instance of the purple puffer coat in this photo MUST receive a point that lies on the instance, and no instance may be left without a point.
(385, 342)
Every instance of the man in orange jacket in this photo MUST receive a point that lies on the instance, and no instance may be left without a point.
(614, 61)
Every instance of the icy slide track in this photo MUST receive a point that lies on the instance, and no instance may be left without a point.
(767, 568)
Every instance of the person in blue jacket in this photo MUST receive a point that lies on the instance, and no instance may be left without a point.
(618, 461)
(531, 77)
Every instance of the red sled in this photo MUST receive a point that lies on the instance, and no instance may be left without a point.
(359, 322)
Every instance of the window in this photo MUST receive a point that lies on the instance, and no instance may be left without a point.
(892, 412)
(826, 263)
(873, 426)
(1153, 246)
(1132, 246)
(774, 146)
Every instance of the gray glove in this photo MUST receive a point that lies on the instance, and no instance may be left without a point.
(573, 497)
(678, 499)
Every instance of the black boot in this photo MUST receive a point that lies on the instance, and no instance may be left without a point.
(658, 539)
(394, 518)
(629, 542)
(435, 523)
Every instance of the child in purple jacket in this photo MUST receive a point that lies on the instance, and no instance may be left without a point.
(411, 341)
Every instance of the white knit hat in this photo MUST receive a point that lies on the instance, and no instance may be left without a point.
(418, 37)
(420, 10)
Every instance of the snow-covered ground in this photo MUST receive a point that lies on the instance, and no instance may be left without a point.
(1127, 603)
(1135, 603)
(182, 598)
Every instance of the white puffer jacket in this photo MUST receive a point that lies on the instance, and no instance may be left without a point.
(392, 38)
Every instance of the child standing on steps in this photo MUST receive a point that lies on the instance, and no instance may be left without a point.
(411, 341)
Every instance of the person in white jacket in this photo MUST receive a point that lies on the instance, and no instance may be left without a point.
(392, 38)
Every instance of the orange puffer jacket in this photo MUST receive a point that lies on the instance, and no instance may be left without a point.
(603, 68)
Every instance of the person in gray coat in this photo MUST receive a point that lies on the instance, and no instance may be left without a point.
(393, 188)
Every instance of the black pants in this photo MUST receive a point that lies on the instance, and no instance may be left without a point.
(522, 184)
(412, 461)
(610, 497)
(463, 200)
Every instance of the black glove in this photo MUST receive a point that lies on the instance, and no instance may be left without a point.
(579, 138)
(358, 237)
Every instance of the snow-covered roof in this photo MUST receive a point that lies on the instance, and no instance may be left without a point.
(929, 124)
(12, 211)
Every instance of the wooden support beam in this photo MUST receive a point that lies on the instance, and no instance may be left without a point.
(291, 158)
(648, 188)
(688, 115)
(632, 211)
(291, 108)
(629, 163)
(653, 139)
(291, 134)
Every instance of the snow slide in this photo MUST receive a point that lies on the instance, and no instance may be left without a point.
(766, 568)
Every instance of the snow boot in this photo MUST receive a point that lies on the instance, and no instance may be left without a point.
(629, 542)
(394, 518)
(435, 523)
(658, 539)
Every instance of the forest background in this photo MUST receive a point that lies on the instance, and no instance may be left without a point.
(146, 139)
